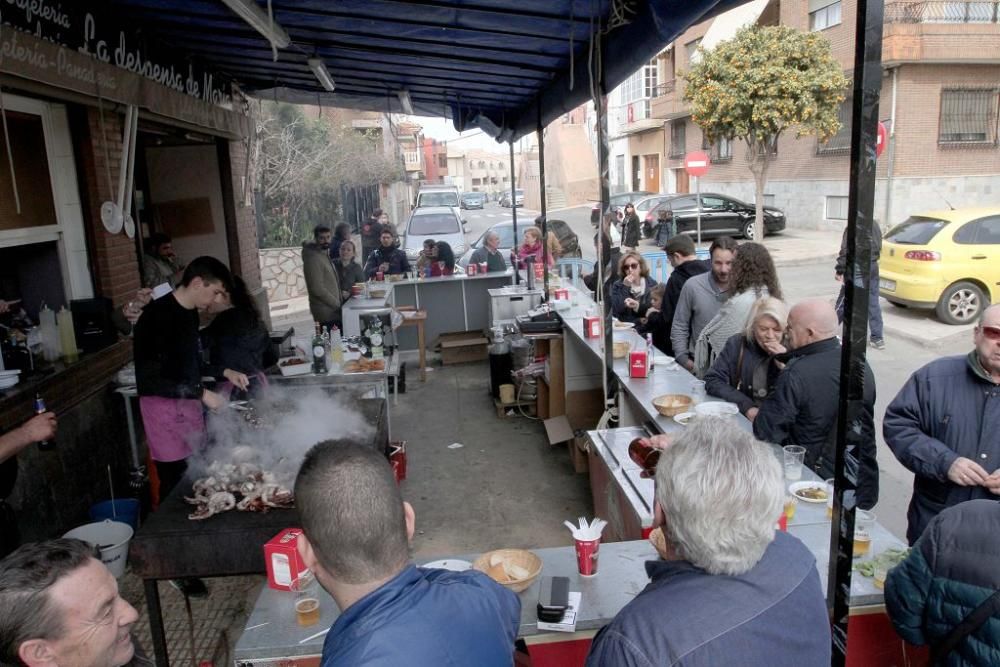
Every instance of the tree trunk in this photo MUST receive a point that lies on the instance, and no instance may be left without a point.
(760, 179)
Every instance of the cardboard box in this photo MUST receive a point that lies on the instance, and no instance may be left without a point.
(584, 408)
(558, 431)
(592, 326)
(281, 554)
(463, 346)
(638, 364)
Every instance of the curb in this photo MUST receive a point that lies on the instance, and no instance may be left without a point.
(950, 341)
(807, 261)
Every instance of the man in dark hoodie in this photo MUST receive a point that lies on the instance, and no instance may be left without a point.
(681, 254)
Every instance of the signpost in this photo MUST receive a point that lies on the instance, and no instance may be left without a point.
(696, 164)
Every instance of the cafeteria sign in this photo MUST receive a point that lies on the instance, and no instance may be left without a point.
(76, 30)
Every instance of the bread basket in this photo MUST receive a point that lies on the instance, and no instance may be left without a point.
(621, 348)
(521, 558)
(669, 405)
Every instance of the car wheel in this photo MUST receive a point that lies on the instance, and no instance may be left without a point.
(748, 230)
(961, 303)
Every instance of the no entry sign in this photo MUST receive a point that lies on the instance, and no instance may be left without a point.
(696, 163)
(880, 140)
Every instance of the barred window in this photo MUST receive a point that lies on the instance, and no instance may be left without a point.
(968, 117)
(720, 151)
(678, 137)
(841, 141)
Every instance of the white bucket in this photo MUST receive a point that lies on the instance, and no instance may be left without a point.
(112, 537)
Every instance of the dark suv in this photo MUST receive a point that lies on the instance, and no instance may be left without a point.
(719, 215)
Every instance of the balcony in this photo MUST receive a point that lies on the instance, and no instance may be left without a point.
(412, 161)
(635, 116)
(669, 100)
(943, 32)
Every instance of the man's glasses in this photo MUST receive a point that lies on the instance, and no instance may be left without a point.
(993, 333)
(631, 266)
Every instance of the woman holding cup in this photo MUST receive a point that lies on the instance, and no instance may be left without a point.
(631, 293)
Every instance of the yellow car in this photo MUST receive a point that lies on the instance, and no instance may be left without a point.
(945, 260)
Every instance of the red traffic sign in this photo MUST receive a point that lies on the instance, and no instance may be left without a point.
(696, 163)
(881, 139)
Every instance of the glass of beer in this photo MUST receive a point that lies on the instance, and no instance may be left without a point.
(306, 590)
(829, 499)
(863, 523)
(791, 503)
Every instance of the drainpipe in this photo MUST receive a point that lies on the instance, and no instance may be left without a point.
(887, 223)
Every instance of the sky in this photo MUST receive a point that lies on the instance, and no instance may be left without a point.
(443, 130)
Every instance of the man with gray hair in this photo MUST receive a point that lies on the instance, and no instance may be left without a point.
(60, 607)
(943, 426)
(490, 253)
(357, 530)
(729, 589)
(803, 408)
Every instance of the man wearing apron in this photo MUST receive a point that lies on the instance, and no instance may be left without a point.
(38, 428)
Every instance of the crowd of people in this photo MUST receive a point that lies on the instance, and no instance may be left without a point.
(718, 487)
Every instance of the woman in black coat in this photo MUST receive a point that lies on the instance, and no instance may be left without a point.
(746, 370)
(237, 339)
(631, 228)
(630, 294)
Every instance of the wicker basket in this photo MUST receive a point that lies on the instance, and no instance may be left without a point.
(669, 405)
(520, 557)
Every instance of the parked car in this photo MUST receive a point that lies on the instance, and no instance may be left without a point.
(473, 200)
(617, 203)
(437, 195)
(720, 215)
(948, 261)
(518, 198)
(507, 242)
(439, 223)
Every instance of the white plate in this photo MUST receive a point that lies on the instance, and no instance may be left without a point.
(6, 383)
(129, 226)
(795, 487)
(453, 564)
(716, 409)
(10, 373)
(623, 325)
(684, 418)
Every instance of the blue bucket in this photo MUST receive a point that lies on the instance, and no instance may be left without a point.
(126, 510)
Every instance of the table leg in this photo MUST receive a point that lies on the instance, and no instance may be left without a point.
(388, 412)
(423, 351)
(156, 623)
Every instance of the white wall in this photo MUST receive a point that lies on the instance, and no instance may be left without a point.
(190, 172)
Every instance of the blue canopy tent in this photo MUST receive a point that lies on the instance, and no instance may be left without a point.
(509, 67)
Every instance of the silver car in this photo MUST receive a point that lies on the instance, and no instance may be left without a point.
(439, 223)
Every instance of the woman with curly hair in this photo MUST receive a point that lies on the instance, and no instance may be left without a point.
(630, 294)
(753, 277)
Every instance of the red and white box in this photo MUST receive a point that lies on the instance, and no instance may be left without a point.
(592, 326)
(638, 364)
(471, 269)
(284, 564)
(561, 294)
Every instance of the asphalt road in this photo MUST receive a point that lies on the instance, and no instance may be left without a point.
(892, 366)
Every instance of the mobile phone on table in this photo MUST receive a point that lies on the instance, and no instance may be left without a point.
(553, 599)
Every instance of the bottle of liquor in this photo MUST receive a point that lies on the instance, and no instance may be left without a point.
(39, 410)
(319, 352)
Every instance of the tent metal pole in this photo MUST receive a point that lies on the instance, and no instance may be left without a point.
(513, 212)
(543, 207)
(861, 205)
(604, 184)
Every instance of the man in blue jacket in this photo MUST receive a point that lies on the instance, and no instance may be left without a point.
(944, 425)
(728, 589)
(357, 531)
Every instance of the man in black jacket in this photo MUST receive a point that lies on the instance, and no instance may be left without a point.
(803, 409)
(681, 254)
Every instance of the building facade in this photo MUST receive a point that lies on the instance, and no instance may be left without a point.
(435, 161)
(939, 103)
(476, 170)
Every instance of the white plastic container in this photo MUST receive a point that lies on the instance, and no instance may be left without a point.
(111, 538)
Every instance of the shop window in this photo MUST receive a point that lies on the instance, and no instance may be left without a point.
(823, 14)
(968, 117)
(836, 208)
(31, 171)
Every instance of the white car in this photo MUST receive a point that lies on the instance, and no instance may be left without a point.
(439, 223)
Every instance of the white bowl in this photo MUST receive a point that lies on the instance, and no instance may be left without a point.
(716, 409)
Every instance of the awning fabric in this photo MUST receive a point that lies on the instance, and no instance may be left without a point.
(501, 65)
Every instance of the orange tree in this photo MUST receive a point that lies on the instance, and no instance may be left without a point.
(760, 83)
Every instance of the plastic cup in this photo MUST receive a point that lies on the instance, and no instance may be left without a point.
(306, 590)
(698, 393)
(586, 556)
(829, 498)
(863, 522)
(791, 503)
(794, 457)
(483, 267)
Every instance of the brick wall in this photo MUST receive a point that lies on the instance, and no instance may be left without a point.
(113, 261)
(241, 223)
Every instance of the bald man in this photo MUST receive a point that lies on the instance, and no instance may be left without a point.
(803, 408)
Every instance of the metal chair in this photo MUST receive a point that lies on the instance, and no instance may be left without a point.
(575, 267)
(659, 265)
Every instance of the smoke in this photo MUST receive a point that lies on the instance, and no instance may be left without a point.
(291, 421)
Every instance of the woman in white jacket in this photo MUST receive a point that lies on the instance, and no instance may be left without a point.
(753, 277)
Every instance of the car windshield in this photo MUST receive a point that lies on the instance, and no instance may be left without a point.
(917, 230)
(434, 223)
(438, 199)
(506, 234)
(519, 193)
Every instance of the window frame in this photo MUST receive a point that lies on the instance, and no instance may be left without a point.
(825, 12)
(989, 121)
(826, 207)
(678, 138)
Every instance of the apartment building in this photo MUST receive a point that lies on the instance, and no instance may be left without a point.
(939, 101)
(435, 161)
(477, 170)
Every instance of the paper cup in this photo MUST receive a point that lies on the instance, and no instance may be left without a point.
(586, 556)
